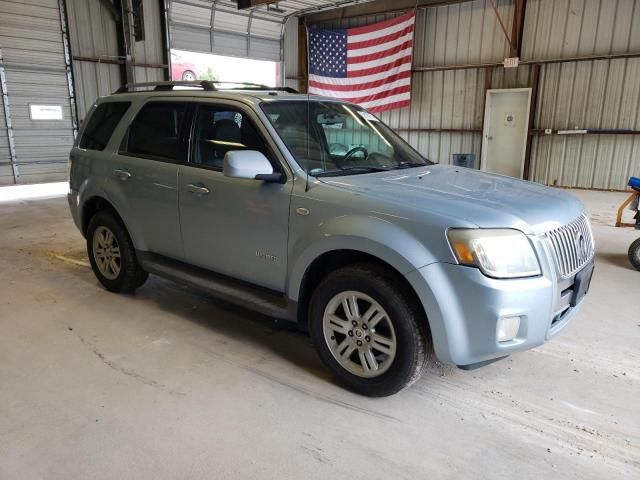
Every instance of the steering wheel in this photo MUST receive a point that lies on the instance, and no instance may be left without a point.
(353, 151)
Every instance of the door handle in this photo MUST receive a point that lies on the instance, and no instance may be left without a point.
(122, 174)
(197, 190)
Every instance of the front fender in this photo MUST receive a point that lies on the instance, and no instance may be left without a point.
(363, 233)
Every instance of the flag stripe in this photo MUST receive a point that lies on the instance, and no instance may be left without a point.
(401, 97)
(389, 106)
(330, 83)
(356, 80)
(359, 34)
(387, 93)
(372, 58)
(353, 95)
(405, 33)
(379, 68)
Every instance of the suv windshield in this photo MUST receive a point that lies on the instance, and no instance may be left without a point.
(331, 138)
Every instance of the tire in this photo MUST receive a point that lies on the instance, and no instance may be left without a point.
(401, 322)
(124, 275)
(634, 254)
(188, 75)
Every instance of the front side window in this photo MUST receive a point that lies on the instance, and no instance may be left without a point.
(220, 130)
(102, 123)
(332, 138)
(156, 132)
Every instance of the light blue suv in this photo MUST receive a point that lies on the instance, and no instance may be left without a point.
(313, 210)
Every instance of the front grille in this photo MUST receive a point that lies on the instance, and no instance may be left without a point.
(572, 246)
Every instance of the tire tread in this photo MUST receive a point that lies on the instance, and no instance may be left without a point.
(383, 280)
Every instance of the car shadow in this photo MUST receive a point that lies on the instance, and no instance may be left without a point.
(284, 339)
(617, 259)
(234, 322)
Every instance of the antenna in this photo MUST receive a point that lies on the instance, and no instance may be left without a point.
(306, 187)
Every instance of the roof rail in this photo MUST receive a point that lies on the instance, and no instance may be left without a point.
(204, 84)
(207, 85)
(255, 86)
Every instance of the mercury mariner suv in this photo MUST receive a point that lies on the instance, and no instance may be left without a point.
(313, 210)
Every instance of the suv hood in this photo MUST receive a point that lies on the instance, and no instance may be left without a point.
(484, 199)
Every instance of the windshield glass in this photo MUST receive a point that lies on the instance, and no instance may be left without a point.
(331, 138)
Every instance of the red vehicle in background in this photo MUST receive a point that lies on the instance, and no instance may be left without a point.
(182, 70)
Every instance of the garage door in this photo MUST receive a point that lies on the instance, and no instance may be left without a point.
(37, 92)
(222, 29)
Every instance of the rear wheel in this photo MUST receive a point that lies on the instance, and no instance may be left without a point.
(372, 337)
(634, 254)
(112, 255)
(188, 75)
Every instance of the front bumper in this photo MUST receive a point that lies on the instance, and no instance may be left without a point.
(464, 307)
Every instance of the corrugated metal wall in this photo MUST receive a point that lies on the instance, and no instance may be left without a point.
(599, 94)
(6, 171)
(151, 50)
(94, 35)
(37, 42)
(33, 57)
(602, 94)
(563, 28)
(461, 33)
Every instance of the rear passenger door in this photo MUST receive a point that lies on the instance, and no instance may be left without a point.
(233, 226)
(144, 176)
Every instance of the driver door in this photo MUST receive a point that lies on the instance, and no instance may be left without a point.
(232, 226)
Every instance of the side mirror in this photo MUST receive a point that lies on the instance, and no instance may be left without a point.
(249, 164)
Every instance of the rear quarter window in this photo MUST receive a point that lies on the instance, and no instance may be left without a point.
(102, 123)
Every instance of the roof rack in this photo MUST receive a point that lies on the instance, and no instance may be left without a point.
(254, 86)
(206, 85)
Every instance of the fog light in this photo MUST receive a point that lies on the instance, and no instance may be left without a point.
(508, 328)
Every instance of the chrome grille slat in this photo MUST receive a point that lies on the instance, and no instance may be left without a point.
(573, 255)
(566, 244)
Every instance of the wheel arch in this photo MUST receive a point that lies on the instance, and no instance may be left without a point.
(96, 204)
(92, 206)
(331, 260)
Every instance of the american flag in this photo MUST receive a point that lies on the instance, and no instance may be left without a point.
(369, 66)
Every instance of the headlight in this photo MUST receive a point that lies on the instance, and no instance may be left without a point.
(497, 253)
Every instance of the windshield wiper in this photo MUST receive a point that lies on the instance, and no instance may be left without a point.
(410, 165)
(347, 170)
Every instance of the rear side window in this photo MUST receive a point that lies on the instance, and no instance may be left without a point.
(156, 132)
(101, 125)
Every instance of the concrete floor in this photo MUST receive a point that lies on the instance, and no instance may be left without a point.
(170, 384)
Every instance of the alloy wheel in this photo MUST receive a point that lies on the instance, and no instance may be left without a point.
(106, 253)
(359, 334)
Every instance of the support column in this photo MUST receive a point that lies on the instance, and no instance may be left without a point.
(7, 119)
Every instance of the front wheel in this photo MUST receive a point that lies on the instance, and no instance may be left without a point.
(634, 254)
(372, 337)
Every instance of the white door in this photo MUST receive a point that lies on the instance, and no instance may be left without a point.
(506, 121)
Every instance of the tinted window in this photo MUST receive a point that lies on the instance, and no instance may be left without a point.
(220, 130)
(101, 125)
(157, 131)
